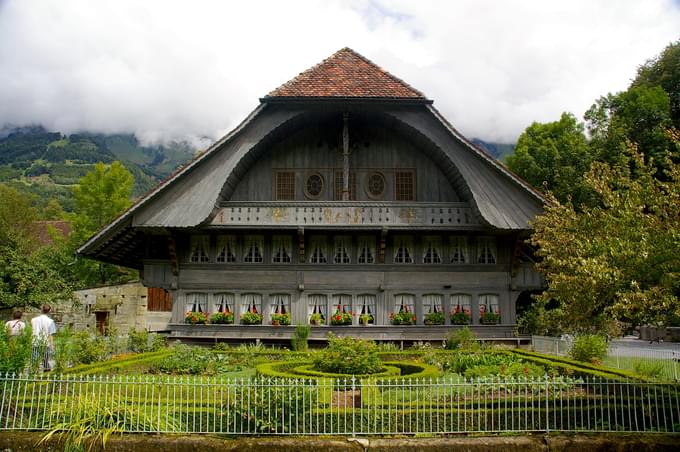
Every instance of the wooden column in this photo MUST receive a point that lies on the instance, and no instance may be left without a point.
(345, 157)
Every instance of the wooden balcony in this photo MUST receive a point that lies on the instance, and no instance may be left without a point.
(348, 215)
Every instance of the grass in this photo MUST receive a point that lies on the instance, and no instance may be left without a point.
(664, 369)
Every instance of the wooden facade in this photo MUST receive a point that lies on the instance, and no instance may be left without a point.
(332, 198)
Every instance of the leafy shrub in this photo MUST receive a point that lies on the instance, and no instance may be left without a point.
(463, 339)
(15, 351)
(348, 356)
(589, 348)
(316, 319)
(185, 360)
(299, 339)
(460, 362)
(143, 341)
(516, 369)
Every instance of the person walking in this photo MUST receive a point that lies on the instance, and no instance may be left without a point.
(44, 329)
(16, 325)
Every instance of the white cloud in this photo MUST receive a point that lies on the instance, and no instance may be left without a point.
(175, 69)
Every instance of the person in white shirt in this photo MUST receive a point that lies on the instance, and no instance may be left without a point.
(43, 342)
(16, 325)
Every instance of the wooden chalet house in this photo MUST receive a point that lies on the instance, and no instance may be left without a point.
(344, 200)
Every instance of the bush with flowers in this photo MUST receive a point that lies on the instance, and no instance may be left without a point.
(434, 318)
(196, 318)
(347, 355)
(403, 317)
(280, 319)
(341, 317)
(460, 316)
(222, 318)
(489, 318)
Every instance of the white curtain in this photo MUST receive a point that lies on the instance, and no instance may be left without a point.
(317, 304)
(224, 302)
(200, 244)
(461, 300)
(489, 302)
(432, 303)
(251, 302)
(343, 302)
(226, 248)
(404, 302)
(281, 249)
(459, 250)
(366, 303)
(197, 302)
(280, 303)
(432, 250)
(366, 250)
(317, 250)
(342, 253)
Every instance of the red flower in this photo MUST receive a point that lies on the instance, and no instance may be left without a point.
(413, 318)
(338, 317)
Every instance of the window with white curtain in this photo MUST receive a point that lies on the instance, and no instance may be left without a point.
(403, 250)
(317, 250)
(253, 249)
(366, 250)
(459, 250)
(251, 302)
(342, 249)
(461, 302)
(280, 303)
(488, 303)
(404, 302)
(432, 303)
(317, 304)
(486, 250)
(282, 246)
(224, 302)
(197, 302)
(226, 248)
(342, 302)
(366, 306)
(432, 247)
(200, 244)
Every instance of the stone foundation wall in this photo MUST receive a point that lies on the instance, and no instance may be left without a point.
(125, 305)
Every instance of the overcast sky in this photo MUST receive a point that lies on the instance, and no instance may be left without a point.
(168, 70)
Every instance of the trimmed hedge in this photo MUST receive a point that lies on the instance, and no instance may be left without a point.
(288, 369)
(132, 360)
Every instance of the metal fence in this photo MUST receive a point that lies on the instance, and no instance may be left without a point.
(336, 407)
(657, 363)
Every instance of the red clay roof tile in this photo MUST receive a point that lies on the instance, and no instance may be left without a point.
(347, 74)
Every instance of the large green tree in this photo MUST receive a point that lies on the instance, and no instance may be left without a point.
(553, 157)
(618, 260)
(28, 275)
(664, 71)
(100, 196)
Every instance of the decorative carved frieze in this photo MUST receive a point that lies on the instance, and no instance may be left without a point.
(432, 215)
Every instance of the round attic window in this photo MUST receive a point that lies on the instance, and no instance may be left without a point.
(375, 185)
(314, 185)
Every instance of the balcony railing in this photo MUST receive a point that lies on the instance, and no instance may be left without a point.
(346, 214)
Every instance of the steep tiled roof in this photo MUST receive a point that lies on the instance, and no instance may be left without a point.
(346, 74)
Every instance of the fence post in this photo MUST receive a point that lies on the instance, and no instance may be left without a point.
(353, 403)
(547, 404)
(674, 362)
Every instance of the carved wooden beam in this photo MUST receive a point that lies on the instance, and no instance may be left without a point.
(383, 240)
(172, 252)
(301, 245)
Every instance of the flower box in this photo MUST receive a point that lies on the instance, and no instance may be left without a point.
(341, 318)
(489, 318)
(196, 318)
(222, 318)
(434, 318)
(403, 318)
(316, 319)
(460, 316)
(251, 318)
(280, 319)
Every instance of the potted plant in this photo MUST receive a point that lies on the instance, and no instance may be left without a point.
(460, 316)
(196, 318)
(251, 318)
(403, 318)
(316, 319)
(222, 318)
(341, 318)
(280, 319)
(489, 318)
(366, 319)
(434, 318)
